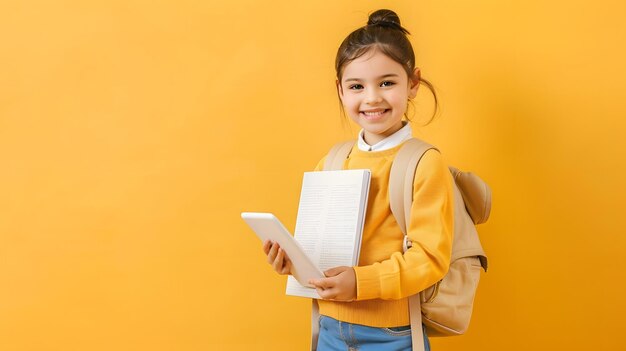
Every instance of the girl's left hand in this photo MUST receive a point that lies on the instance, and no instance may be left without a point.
(339, 284)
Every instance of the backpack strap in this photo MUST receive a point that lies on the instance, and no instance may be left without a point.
(401, 180)
(337, 155)
(315, 324)
(400, 201)
(334, 161)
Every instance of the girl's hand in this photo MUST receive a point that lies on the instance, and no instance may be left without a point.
(339, 284)
(277, 257)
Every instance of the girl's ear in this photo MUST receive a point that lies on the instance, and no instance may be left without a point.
(339, 89)
(414, 83)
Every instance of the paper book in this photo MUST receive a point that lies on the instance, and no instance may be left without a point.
(330, 221)
(329, 226)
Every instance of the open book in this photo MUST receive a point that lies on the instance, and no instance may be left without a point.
(328, 228)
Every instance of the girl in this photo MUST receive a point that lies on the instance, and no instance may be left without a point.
(366, 307)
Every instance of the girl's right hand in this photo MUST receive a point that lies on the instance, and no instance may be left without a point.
(277, 257)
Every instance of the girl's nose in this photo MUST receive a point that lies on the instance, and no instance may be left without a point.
(373, 97)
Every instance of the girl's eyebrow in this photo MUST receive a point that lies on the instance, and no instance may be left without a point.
(381, 77)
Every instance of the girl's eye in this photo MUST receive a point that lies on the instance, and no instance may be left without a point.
(355, 87)
(387, 83)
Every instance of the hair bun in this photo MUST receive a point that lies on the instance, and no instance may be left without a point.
(386, 18)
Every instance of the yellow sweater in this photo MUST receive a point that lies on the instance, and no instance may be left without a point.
(386, 277)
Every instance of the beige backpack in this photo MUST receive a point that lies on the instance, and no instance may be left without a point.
(446, 307)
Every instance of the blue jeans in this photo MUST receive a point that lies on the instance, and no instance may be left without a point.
(336, 335)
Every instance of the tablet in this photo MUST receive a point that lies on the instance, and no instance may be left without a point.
(268, 227)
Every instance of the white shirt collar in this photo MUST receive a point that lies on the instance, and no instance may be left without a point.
(395, 139)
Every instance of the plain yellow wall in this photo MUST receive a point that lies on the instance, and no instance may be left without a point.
(133, 133)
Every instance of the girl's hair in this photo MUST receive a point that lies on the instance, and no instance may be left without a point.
(383, 32)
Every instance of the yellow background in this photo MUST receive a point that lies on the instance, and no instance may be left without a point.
(133, 133)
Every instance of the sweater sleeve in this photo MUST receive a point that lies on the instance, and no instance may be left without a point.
(430, 231)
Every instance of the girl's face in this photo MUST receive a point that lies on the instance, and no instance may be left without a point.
(374, 91)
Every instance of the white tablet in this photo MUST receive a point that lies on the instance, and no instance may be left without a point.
(267, 226)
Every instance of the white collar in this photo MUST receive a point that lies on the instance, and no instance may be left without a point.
(395, 139)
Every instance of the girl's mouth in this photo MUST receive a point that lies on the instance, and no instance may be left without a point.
(373, 115)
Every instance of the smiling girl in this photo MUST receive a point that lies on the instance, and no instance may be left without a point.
(366, 307)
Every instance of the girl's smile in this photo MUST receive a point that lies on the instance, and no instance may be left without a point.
(373, 115)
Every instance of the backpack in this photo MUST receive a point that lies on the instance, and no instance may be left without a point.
(446, 307)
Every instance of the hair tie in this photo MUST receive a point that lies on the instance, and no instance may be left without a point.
(387, 24)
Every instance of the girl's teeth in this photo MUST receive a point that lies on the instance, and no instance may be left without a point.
(377, 113)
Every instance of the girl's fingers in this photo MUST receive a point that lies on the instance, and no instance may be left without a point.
(277, 257)
(278, 261)
(266, 246)
(328, 289)
(271, 255)
(324, 283)
(327, 294)
(280, 256)
(286, 265)
(335, 271)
